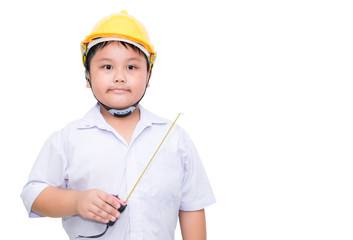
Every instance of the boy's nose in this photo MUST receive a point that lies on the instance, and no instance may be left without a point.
(120, 76)
(120, 80)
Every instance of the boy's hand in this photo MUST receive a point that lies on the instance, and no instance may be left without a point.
(98, 205)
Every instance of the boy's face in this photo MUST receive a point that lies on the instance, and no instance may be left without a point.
(118, 75)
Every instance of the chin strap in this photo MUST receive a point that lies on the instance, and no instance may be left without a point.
(122, 113)
(118, 112)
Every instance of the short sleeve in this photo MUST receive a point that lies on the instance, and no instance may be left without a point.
(196, 189)
(48, 170)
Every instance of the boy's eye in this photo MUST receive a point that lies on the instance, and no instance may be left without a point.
(108, 67)
(130, 67)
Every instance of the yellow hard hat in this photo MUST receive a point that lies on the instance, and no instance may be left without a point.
(120, 27)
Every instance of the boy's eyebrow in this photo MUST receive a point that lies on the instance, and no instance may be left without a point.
(104, 59)
(134, 58)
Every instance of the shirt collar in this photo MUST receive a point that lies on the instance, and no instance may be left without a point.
(94, 118)
(148, 118)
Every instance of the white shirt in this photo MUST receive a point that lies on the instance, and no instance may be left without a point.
(89, 153)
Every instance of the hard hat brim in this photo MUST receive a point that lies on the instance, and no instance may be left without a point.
(109, 39)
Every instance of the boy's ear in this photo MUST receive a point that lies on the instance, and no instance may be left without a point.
(148, 78)
(88, 85)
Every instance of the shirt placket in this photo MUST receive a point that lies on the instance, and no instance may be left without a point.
(134, 201)
(132, 175)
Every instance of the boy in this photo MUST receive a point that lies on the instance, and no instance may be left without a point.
(80, 167)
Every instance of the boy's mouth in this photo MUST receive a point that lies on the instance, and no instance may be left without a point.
(119, 90)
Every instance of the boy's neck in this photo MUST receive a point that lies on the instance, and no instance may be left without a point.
(125, 126)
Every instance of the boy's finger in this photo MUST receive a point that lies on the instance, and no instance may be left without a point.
(109, 199)
(121, 202)
(94, 216)
(108, 212)
(101, 215)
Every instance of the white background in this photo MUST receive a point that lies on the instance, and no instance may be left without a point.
(265, 88)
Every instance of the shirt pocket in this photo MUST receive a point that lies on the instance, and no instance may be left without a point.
(165, 179)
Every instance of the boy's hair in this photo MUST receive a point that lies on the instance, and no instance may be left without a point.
(101, 45)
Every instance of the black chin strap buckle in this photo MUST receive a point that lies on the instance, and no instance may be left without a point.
(123, 112)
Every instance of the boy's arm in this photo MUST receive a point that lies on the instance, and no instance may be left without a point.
(193, 225)
(93, 204)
